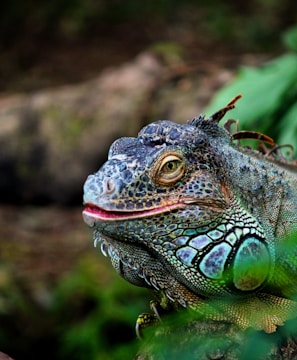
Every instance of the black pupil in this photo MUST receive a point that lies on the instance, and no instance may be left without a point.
(171, 165)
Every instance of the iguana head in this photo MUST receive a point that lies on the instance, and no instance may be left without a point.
(163, 207)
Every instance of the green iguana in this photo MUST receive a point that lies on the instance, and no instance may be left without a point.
(183, 210)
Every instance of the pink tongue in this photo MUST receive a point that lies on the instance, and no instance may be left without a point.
(93, 214)
(98, 213)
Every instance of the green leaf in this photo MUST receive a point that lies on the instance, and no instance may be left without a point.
(288, 126)
(264, 91)
(290, 38)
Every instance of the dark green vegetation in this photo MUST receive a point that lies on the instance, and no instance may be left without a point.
(269, 102)
(88, 314)
(76, 19)
(36, 40)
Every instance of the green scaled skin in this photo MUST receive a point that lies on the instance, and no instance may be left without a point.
(183, 210)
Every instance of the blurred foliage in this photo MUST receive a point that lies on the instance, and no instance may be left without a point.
(85, 318)
(39, 39)
(261, 19)
(183, 343)
(269, 103)
(290, 38)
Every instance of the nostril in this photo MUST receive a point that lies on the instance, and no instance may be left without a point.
(109, 186)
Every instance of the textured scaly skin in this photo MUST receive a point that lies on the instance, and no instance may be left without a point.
(183, 210)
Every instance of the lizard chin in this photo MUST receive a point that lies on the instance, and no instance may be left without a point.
(93, 214)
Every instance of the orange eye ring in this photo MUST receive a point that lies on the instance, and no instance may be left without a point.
(169, 169)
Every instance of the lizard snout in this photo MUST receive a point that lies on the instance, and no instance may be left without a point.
(100, 188)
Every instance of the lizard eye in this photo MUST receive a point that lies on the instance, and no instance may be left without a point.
(168, 169)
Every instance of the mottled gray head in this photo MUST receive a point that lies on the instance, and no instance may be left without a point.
(162, 202)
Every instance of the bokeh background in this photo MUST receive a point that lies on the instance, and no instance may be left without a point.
(74, 76)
